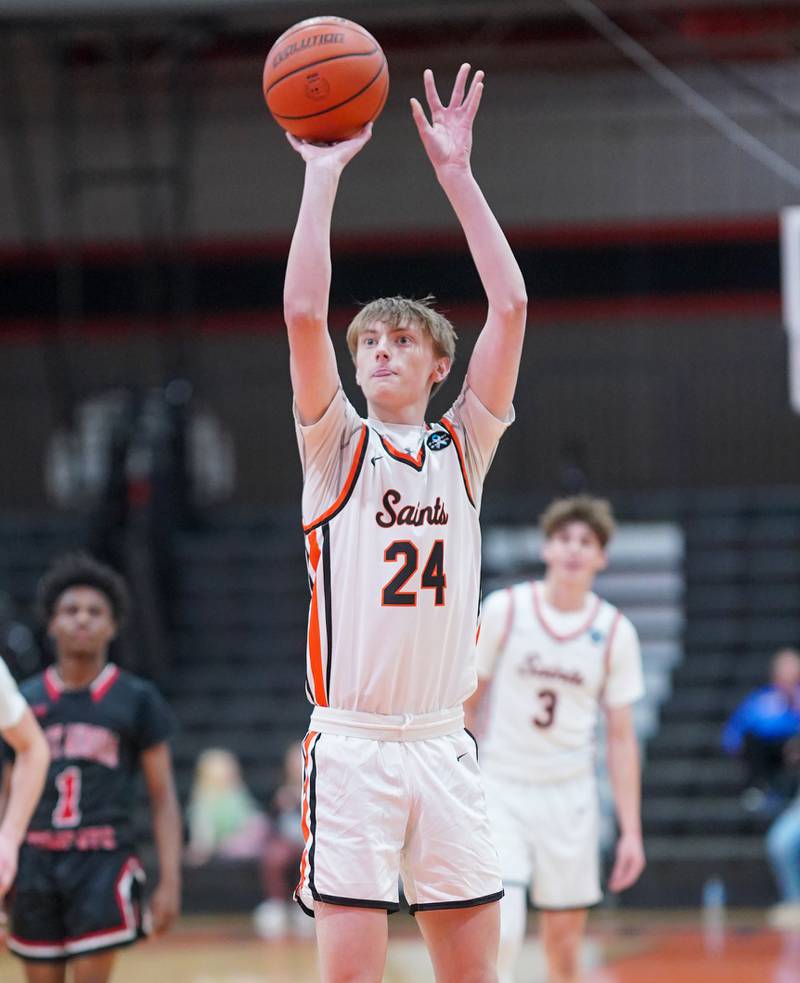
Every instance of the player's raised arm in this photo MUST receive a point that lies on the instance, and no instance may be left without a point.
(308, 276)
(493, 367)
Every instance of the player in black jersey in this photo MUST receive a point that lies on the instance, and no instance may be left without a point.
(78, 893)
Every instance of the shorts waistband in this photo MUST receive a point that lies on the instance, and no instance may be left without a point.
(387, 727)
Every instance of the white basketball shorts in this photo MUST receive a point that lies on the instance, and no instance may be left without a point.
(378, 810)
(548, 837)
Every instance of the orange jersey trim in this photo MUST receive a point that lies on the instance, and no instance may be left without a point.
(415, 461)
(313, 550)
(462, 463)
(315, 652)
(344, 494)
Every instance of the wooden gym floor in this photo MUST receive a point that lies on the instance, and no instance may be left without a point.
(622, 947)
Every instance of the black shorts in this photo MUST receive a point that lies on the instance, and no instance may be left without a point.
(73, 902)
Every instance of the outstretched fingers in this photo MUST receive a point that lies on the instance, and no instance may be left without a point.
(418, 113)
(431, 93)
(473, 99)
(459, 87)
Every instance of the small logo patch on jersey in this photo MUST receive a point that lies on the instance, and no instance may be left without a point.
(596, 636)
(378, 457)
(438, 440)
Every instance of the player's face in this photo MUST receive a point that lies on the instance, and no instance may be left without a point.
(82, 622)
(574, 553)
(396, 366)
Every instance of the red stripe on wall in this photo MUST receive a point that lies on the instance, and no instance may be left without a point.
(546, 312)
(760, 228)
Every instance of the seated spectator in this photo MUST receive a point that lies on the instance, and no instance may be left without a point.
(758, 732)
(224, 819)
(280, 863)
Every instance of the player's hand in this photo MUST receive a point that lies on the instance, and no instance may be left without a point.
(164, 907)
(448, 137)
(8, 864)
(628, 863)
(338, 154)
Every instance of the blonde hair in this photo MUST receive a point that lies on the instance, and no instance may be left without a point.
(595, 512)
(398, 311)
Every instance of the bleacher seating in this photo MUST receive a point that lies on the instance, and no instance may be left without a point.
(742, 592)
(239, 643)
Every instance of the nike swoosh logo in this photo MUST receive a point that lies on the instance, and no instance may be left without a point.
(462, 755)
(378, 457)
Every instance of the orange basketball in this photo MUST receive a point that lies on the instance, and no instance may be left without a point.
(325, 78)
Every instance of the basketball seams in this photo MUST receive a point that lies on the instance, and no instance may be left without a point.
(320, 61)
(304, 25)
(322, 112)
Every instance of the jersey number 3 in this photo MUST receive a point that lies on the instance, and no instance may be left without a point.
(433, 576)
(547, 711)
(67, 812)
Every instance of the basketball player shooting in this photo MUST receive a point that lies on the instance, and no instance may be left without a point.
(390, 513)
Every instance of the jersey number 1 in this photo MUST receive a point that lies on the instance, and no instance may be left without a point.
(433, 575)
(67, 812)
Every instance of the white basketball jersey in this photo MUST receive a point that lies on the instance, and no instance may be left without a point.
(394, 558)
(546, 688)
(12, 703)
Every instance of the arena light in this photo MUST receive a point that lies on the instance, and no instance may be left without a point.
(790, 290)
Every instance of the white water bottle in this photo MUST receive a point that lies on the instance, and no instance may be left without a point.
(713, 902)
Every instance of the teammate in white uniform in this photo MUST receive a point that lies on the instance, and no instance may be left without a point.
(390, 513)
(19, 729)
(551, 654)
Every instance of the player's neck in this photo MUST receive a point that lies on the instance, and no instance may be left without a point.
(565, 596)
(410, 415)
(79, 670)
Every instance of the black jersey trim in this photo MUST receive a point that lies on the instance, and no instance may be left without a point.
(306, 910)
(445, 905)
(326, 575)
(312, 813)
(469, 733)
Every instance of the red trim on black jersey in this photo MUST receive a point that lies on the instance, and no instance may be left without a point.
(53, 684)
(103, 683)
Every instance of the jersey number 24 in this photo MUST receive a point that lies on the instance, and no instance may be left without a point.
(433, 575)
